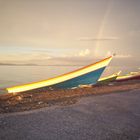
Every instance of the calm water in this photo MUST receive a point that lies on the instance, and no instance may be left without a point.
(15, 75)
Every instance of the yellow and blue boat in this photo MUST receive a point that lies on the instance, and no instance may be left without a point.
(84, 76)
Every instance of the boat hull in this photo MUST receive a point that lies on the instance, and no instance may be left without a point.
(108, 79)
(87, 75)
(128, 77)
(89, 78)
(105, 81)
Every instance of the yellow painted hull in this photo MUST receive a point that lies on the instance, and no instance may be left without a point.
(108, 79)
(68, 80)
(131, 76)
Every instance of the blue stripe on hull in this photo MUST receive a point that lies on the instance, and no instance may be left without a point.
(89, 78)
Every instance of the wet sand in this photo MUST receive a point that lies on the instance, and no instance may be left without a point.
(114, 116)
(39, 99)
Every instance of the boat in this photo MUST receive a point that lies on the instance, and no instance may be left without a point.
(108, 79)
(130, 76)
(83, 76)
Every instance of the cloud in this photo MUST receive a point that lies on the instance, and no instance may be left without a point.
(109, 53)
(97, 39)
(123, 56)
(45, 58)
(83, 53)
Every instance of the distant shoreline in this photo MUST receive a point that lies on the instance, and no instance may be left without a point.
(13, 64)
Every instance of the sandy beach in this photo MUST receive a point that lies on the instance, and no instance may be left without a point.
(38, 99)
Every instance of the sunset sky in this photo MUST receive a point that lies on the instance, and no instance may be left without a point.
(69, 31)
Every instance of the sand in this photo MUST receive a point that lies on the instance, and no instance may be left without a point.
(30, 101)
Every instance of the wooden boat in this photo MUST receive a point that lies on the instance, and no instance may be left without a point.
(108, 79)
(130, 76)
(84, 76)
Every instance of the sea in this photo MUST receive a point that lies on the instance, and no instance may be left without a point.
(17, 75)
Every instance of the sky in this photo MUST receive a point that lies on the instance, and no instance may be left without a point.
(69, 32)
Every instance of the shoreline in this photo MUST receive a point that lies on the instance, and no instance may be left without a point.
(20, 102)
